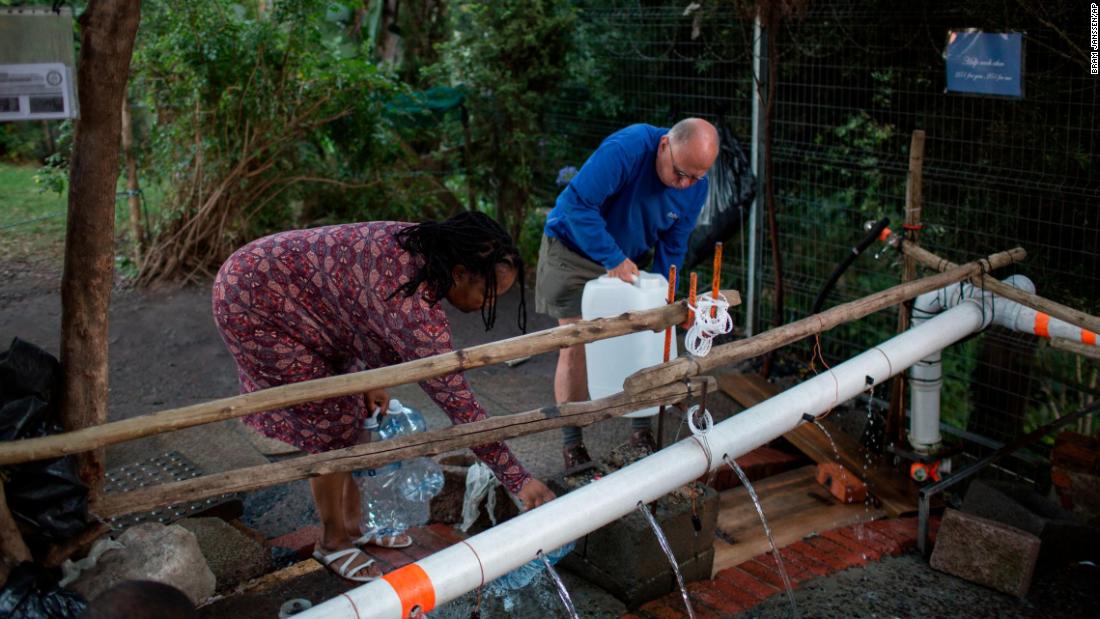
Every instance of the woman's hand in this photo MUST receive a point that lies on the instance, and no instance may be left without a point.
(377, 399)
(535, 493)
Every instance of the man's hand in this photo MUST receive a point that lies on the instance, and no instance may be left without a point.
(377, 399)
(535, 493)
(626, 271)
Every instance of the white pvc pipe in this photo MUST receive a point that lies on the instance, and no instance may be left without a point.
(926, 376)
(449, 573)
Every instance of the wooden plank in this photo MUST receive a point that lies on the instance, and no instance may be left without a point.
(795, 507)
(895, 490)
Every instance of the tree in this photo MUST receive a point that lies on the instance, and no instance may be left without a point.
(108, 29)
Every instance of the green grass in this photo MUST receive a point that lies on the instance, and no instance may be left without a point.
(32, 223)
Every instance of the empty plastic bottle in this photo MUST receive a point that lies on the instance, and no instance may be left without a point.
(524, 574)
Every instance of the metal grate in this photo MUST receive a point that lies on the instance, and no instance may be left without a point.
(165, 468)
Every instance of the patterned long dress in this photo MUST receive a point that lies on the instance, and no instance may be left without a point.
(306, 304)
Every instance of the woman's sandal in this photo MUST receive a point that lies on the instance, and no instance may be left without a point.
(384, 540)
(345, 569)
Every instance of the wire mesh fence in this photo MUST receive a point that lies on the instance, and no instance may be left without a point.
(855, 78)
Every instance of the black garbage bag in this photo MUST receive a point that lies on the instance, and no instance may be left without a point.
(731, 189)
(48, 494)
(32, 593)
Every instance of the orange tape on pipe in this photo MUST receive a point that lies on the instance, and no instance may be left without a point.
(1088, 337)
(413, 587)
(1042, 324)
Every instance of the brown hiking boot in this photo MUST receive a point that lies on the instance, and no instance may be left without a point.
(575, 457)
(643, 440)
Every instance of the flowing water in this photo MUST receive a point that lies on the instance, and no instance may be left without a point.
(767, 531)
(836, 452)
(663, 541)
(562, 592)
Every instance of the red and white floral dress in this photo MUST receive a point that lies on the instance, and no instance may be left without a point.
(306, 304)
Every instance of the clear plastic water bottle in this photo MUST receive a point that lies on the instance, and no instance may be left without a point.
(524, 574)
(396, 496)
(401, 420)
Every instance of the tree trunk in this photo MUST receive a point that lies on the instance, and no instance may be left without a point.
(108, 28)
(133, 188)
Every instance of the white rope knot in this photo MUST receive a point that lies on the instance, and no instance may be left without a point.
(700, 433)
(705, 327)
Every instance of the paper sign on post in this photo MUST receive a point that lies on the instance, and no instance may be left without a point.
(985, 63)
(40, 91)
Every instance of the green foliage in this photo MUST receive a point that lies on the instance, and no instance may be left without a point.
(510, 56)
(252, 115)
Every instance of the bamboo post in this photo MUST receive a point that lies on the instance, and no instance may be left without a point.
(668, 351)
(359, 382)
(895, 418)
(716, 277)
(375, 454)
(992, 284)
(732, 352)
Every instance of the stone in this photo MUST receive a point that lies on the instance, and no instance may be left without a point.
(167, 554)
(625, 558)
(997, 502)
(233, 557)
(986, 552)
(1079, 492)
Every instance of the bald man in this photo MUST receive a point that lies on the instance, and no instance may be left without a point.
(641, 191)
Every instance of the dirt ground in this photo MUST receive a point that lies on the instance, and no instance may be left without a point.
(165, 352)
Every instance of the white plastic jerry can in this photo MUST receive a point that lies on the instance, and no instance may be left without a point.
(610, 361)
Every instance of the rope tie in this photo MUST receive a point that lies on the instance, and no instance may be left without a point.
(699, 434)
(705, 327)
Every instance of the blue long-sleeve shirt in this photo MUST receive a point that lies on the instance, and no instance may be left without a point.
(616, 207)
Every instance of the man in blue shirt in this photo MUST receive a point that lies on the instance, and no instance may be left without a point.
(641, 190)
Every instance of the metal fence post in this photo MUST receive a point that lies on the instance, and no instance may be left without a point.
(760, 73)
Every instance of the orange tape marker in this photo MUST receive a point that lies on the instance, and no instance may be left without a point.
(1042, 324)
(413, 587)
(1088, 337)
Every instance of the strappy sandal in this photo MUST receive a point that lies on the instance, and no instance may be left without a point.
(380, 538)
(344, 569)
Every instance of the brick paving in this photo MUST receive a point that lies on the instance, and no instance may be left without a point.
(743, 587)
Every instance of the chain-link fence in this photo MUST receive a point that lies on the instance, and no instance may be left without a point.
(854, 80)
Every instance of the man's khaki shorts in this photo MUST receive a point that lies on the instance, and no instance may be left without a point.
(560, 278)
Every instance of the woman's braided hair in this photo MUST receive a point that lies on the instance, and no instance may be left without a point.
(473, 240)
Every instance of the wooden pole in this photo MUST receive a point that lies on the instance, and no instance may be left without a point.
(716, 277)
(373, 455)
(1076, 318)
(895, 417)
(359, 382)
(685, 367)
(1077, 348)
(660, 440)
(107, 32)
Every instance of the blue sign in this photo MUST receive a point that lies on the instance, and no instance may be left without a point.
(985, 63)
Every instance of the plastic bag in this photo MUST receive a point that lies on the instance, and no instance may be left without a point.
(480, 485)
(31, 593)
(47, 494)
(731, 189)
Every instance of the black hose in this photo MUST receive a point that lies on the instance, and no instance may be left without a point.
(854, 253)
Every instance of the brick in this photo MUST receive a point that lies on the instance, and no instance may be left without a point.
(986, 552)
(765, 573)
(863, 551)
(709, 601)
(839, 551)
(388, 559)
(1076, 457)
(744, 581)
(660, 608)
(902, 530)
(805, 563)
(796, 571)
(302, 541)
(736, 596)
(835, 562)
(631, 616)
(842, 484)
(759, 463)
(868, 537)
(447, 532)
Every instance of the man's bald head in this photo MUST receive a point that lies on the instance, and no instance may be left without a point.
(695, 142)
